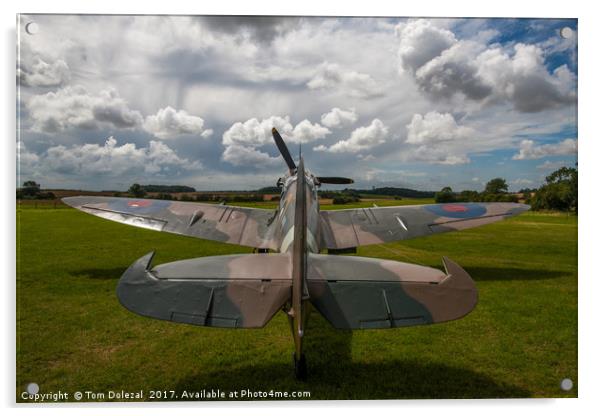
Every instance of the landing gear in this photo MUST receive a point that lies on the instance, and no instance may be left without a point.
(300, 367)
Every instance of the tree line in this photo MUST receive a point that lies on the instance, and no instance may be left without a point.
(559, 192)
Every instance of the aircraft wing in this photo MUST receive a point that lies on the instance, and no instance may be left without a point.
(224, 223)
(348, 228)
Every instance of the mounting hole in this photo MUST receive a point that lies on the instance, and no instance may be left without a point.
(33, 388)
(566, 32)
(32, 28)
(566, 384)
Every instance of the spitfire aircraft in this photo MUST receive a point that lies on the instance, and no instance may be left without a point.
(289, 269)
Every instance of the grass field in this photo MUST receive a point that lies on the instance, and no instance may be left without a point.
(520, 341)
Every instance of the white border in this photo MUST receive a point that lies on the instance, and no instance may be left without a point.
(589, 153)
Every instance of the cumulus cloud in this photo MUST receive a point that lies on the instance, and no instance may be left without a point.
(242, 138)
(260, 28)
(354, 84)
(43, 74)
(305, 132)
(109, 160)
(444, 66)
(229, 69)
(549, 165)
(113, 160)
(436, 127)
(439, 155)
(25, 158)
(75, 107)
(420, 42)
(439, 139)
(529, 150)
(361, 139)
(248, 156)
(169, 123)
(258, 133)
(522, 182)
(337, 118)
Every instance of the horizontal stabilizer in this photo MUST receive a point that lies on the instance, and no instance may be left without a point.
(236, 291)
(367, 293)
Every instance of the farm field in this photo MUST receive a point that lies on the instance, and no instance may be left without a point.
(520, 341)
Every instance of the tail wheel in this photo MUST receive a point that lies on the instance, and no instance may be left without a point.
(300, 367)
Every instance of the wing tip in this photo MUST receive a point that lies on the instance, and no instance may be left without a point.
(72, 201)
(518, 209)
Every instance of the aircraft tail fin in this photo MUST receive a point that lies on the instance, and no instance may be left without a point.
(235, 291)
(367, 293)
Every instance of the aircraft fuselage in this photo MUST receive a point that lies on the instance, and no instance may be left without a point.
(298, 233)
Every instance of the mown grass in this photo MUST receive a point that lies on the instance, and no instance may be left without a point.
(520, 341)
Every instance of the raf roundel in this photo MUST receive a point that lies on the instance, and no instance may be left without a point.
(139, 206)
(246, 290)
(457, 210)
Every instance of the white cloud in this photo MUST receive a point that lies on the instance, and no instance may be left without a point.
(25, 158)
(226, 72)
(305, 132)
(337, 118)
(361, 139)
(242, 138)
(444, 67)
(439, 138)
(440, 155)
(27, 163)
(169, 123)
(248, 156)
(75, 107)
(355, 84)
(436, 127)
(258, 133)
(420, 42)
(522, 182)
(529, 150)
(549, 165)
(380, 175)
(113, 160)
(42, 74)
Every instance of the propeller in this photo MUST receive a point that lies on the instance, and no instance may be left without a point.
(283, 149)
(335, 180)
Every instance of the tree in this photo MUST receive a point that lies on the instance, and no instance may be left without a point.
(468, 196)
(137, 191)
(445, 195)
(30, 189)
(496, 186)
(559, 192)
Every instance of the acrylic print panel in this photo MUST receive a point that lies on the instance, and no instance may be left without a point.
(164, 123)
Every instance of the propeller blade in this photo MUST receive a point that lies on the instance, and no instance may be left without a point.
(283, 149)
(334, 180)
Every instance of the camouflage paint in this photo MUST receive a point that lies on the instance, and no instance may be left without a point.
(245, 291)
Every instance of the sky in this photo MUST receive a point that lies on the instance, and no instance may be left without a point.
(106, 101)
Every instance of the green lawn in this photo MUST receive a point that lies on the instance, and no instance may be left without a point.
(520, 341)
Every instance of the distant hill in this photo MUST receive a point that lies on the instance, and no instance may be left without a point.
(269, 190)
(403, 192)
(168, 188)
